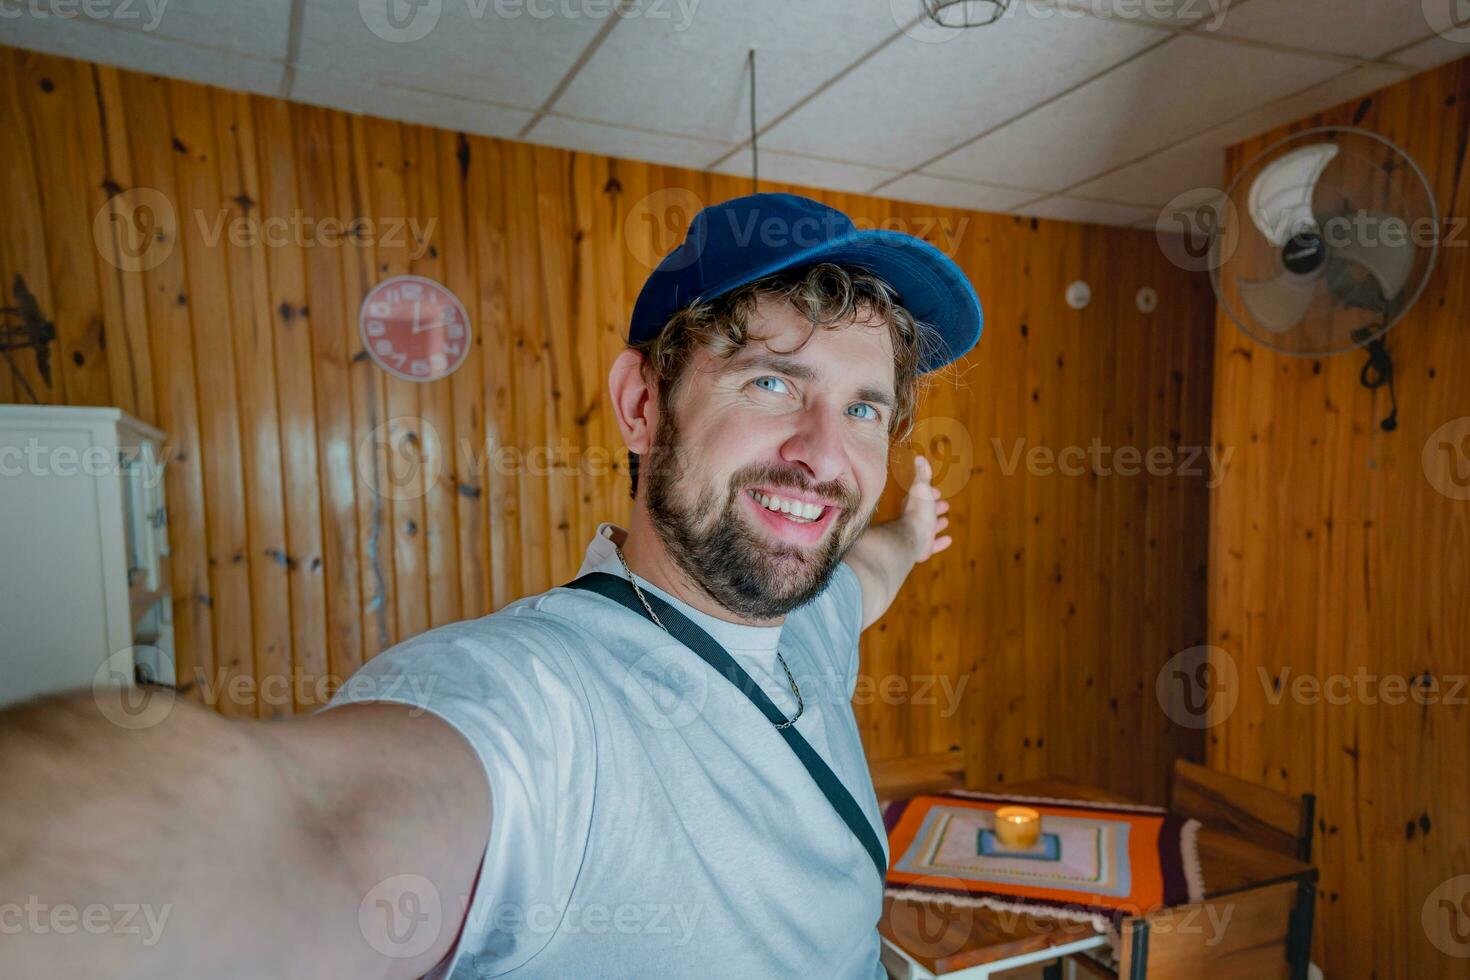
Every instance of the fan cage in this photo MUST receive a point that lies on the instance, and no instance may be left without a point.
(965, 13)
(1226, 214)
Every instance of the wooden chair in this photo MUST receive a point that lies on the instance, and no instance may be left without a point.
(1240, 937)
(915, 775)
(1257, 943)
(1257, 814)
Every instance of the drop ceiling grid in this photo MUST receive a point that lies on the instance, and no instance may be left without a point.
(1033, 114)
(692, 78)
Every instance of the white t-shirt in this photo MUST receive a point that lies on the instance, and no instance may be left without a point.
(648, 821)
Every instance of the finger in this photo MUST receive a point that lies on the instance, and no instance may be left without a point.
(941, 543)
(922, 470)
(942, 507)
(941, 524)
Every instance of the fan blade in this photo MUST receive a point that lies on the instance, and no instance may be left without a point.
(1390, 264)
(1278, 304)
(1281, 196)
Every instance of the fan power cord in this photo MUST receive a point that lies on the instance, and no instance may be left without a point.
(1377, 373)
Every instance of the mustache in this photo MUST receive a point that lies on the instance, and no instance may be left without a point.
(792, 478)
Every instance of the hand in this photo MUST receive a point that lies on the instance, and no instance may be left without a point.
(923, 513)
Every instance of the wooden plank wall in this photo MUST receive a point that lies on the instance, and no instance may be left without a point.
(1333, 555)
(1032, 645)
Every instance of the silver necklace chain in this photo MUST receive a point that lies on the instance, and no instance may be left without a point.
(800, 706)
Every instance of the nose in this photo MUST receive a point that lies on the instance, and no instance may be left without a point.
(816, 445)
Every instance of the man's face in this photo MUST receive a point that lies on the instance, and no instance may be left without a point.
(769, 465)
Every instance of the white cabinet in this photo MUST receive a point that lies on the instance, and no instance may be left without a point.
(83, 551)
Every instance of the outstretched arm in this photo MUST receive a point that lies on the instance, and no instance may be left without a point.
(884, 555)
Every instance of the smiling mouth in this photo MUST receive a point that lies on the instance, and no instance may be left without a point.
(795, 511)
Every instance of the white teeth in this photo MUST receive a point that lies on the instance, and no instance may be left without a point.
(795, 510)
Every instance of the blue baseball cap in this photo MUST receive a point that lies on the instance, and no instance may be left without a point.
(733, 244)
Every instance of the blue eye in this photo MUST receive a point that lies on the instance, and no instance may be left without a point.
(872, 412)
(772, 378)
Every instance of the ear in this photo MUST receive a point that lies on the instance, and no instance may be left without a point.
(634, 401)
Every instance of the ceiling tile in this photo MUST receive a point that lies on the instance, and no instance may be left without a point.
(352, 95)
(486, 50)
(1091, 212)
(249, 27)
(146, 51)
(630, 144)
(1434, 52)
(1166, 96)
(1160, 178)
(789, 168)
(924, 189)
(1204, 14)
(921, 95)
(682, 67)
(1363, 28)
(1350, 84)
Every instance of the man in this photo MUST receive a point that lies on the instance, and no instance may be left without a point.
(564, 788)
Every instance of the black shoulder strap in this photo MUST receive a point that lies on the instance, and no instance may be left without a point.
(684, 630)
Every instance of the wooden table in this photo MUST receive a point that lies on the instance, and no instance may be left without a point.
(922, 941)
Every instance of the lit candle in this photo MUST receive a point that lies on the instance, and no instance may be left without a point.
(1018, 827)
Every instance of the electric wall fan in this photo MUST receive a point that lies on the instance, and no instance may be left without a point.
(1322, 244)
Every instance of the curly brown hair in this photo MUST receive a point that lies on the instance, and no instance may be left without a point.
(829, 296)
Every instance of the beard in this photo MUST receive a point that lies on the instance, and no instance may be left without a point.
(714, 544)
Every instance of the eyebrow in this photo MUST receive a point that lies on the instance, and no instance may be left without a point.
(805, 372)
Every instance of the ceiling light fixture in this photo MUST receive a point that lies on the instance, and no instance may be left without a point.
(965, 13)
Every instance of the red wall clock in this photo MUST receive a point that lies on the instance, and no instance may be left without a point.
(414, 328)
